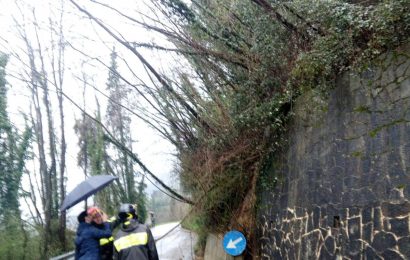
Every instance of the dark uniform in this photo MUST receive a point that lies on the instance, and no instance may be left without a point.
(106, 248)
(106, 244)
(134, 240)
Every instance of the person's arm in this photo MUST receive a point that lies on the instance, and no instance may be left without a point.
(113, 222)
(101, 233)
(152, 249)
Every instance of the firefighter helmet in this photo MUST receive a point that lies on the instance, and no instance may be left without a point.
(127, 211)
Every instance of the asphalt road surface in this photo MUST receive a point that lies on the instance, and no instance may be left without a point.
(178, 244)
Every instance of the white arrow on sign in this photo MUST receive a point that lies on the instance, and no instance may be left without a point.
(232, 244)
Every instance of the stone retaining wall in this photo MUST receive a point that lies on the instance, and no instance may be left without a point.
(343, 185)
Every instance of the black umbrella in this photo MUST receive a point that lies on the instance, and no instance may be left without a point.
(85, 189)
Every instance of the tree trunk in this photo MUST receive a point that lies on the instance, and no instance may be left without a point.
(58, 75)
(62, 176)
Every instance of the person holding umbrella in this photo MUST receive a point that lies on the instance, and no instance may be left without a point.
(81, 219)
(92, 227)
(88, 237)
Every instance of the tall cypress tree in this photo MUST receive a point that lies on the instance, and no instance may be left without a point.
(119, 123)
(13, 154)
(142, 201)
(93, 157)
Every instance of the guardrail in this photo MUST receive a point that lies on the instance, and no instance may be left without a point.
(66, 256)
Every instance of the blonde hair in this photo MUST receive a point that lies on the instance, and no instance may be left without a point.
(93, 211)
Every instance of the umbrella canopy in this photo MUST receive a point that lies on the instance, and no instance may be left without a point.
(85, 189)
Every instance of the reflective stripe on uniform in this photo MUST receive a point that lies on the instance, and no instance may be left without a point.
(134, 239)
(112, 219)
(104, 241)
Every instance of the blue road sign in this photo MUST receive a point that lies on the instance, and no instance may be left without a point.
(234, 243)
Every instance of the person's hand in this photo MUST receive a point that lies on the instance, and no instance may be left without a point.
(88, 219)
(104, 216)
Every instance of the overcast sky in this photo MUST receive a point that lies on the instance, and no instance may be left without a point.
(154, 151)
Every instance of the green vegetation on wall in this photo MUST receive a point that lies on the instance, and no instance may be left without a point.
(251, 60)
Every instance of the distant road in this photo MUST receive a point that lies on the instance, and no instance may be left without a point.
(177, 245)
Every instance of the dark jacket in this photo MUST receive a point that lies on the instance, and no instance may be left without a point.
(134, 241)
(107, 243)
(87, 241)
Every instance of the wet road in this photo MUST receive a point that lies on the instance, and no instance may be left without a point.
(177, 244)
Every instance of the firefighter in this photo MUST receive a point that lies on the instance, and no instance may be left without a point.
(134, 240)
(106, 244)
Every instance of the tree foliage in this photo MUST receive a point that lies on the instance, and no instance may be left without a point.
(142, 201)
(227, 113)
(14, 147)
(250, 61)
(13, 155)
(119, 123)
